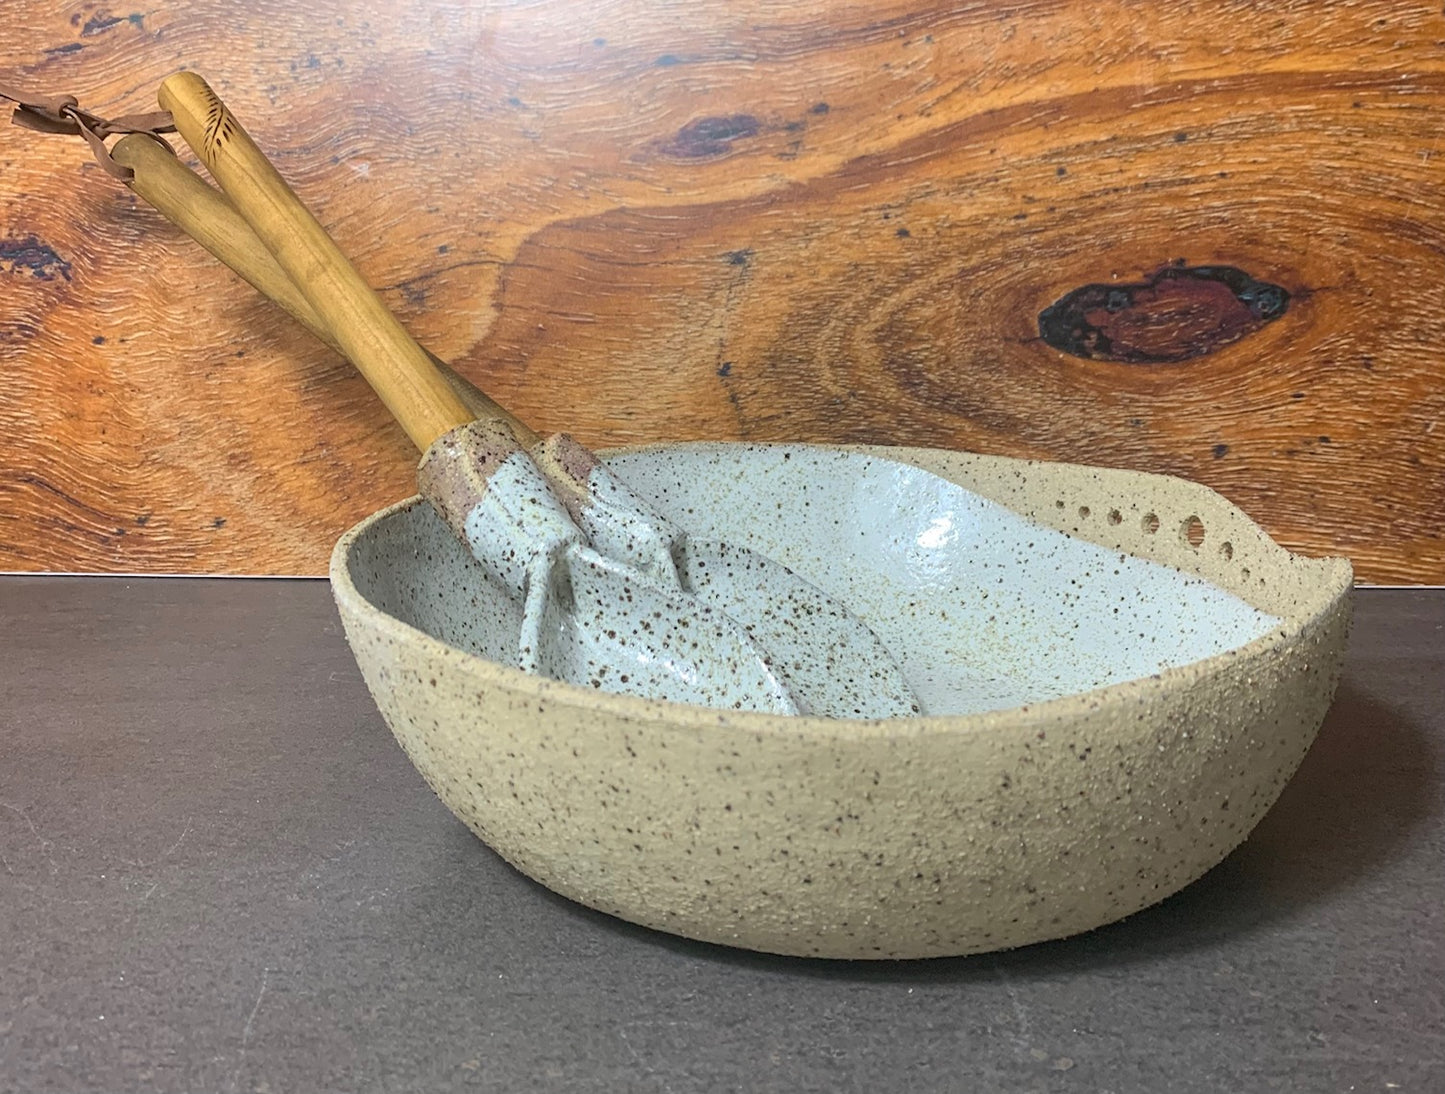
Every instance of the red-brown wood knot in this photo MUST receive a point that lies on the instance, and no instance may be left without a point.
(712, 136)
(1179, 313)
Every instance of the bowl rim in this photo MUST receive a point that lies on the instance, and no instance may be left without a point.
(1335, 582)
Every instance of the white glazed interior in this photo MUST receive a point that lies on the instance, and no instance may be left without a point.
(984, 608)
(1143, 746)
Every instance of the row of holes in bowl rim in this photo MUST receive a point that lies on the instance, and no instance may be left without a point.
(1191, 529)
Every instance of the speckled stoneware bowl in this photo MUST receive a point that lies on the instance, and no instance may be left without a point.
(1120, 671)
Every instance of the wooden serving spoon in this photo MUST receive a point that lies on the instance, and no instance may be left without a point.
(615, 595)
(209, 218)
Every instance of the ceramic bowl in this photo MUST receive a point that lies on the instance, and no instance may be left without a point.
(1120, 671)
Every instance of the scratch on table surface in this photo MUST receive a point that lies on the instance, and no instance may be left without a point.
(666, 1089)
(45, 844)
(185, 831)
(246, 1029)
(1021, 1013)
(142, 864)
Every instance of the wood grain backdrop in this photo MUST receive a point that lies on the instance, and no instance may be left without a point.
(822, 220)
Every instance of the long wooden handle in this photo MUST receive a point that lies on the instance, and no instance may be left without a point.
(208, 217)
(367, 333)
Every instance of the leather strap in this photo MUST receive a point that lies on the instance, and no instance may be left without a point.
(63, 114)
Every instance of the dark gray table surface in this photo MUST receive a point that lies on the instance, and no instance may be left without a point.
(218, 873)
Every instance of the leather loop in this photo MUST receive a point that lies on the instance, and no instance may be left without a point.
(63, 114)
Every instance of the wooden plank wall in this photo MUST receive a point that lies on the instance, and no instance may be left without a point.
(823, 220)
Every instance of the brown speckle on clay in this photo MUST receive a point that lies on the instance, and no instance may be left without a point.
(1071, 768)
